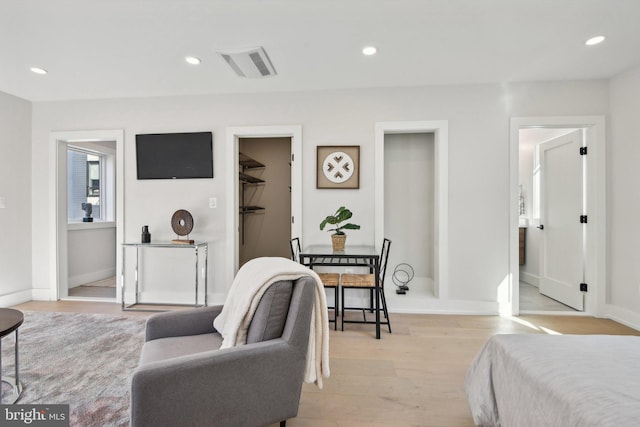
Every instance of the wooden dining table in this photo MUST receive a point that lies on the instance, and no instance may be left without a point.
(352, 256)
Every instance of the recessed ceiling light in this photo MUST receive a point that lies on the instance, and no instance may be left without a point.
(594, 40)
(193, 60)
(38, 70)
(369, 50)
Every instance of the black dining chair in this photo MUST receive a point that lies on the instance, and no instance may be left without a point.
(329, 281)
(368, 281)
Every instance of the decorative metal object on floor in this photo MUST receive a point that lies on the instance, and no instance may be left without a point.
(402, 275)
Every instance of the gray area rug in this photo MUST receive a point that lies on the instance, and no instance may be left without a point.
(84, 360)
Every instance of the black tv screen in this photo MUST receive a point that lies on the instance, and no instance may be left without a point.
(175, 155)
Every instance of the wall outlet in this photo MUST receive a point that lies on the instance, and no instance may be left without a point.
(213, 202)
(3, 202)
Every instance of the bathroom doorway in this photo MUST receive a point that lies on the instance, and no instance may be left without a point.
(590, 216)
(550, 181)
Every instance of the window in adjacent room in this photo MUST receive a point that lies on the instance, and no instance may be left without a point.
(87, 176)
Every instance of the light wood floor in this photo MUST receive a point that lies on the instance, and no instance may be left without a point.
(413, 377)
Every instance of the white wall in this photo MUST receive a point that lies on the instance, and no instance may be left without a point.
(15, 188)
(92, 254)
(624, 195)
(478, 118)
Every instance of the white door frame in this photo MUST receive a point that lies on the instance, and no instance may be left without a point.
(440, 129)
(595, 269)
(233, 206)
(57, 211)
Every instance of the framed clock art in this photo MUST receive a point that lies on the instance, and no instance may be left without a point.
(338, 166)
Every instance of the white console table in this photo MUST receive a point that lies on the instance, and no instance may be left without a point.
(198, 248)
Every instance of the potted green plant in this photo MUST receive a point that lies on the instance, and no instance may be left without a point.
(339, 237)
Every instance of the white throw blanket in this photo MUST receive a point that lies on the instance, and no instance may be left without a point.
(251, 282)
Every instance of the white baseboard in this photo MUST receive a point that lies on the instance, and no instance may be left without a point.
(15, 298)
(93, 276)
(414, 302)
(623, 315)
(42, 295)
(529, 278)
(414, 306)
(166, 297)
(436, 306)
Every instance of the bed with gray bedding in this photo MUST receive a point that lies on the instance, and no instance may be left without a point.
(556, 380)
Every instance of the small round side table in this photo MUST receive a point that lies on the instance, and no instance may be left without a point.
(10, 321)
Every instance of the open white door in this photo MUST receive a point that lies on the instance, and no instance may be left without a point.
(561, 206)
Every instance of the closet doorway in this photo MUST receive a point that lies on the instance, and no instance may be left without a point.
(264, 194)
(293, 166)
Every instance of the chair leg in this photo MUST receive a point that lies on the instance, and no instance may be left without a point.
(336, 305)
(342, 313)
(384, 308)
(283, 423)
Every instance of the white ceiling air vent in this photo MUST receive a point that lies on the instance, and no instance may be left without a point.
(252, 63)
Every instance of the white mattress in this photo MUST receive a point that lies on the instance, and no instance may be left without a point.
(556, 380)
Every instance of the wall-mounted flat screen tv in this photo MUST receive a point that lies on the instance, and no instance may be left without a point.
(174, 155)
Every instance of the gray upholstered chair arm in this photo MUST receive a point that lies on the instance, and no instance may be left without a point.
(193, 321)
(210, 380)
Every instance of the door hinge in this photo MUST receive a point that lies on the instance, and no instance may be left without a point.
(583, 151)
(583, 219)
(292, 157)
(293, 220)
(583, 287)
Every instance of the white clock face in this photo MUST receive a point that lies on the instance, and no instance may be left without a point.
(338, 167)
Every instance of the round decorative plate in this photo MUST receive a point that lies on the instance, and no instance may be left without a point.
(182, 222)
(338, 167)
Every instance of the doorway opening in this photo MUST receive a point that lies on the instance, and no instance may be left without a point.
(409, 164)
(557, 255)
(86, 211)
(258, 135)
(551, 185)
(264, 192)
(416, 153)
(91, 231)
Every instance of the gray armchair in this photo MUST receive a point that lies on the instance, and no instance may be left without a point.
(184, 379)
